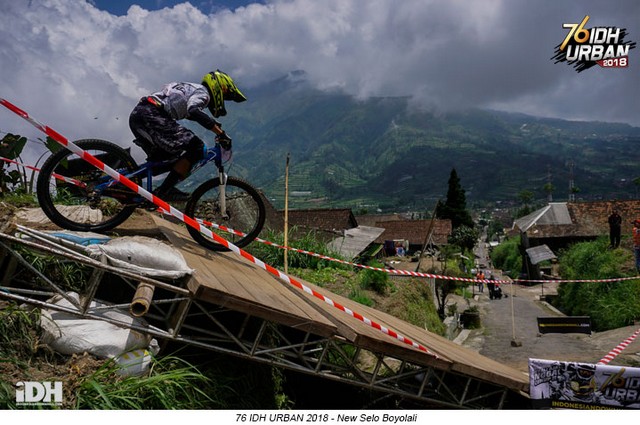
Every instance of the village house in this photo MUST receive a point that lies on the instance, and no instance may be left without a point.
(415, 233)
(560, 224)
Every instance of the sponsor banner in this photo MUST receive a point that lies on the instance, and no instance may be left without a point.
(564, 324)
(571, 385)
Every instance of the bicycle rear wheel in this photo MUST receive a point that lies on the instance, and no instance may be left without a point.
(84, 202)
(245, 212)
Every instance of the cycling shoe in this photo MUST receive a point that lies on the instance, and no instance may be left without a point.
(173, 194)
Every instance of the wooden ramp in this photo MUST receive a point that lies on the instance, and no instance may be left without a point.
(230, 305)
(230, 281)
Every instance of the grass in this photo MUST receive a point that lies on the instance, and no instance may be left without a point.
(67, 274)
(609, 304)
(171, 384)
(217, 382)
(19, 199)
(302, 240)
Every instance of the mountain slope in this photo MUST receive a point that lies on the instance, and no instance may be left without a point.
(382, 152)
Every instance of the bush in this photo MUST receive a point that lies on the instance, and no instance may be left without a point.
(307, 241)
(507, 257)
(373, 279)
(609, 304)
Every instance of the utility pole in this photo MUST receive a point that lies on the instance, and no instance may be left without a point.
(286, 215)
(549, 185)
(572, 195)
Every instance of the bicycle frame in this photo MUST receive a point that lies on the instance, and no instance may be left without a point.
(152, 168)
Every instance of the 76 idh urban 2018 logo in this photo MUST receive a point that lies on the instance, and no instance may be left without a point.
(585, 47)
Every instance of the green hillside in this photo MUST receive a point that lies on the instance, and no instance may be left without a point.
(384, 153)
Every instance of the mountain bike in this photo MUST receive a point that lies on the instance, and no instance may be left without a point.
(77, 196)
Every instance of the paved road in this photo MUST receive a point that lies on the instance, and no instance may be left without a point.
(515, 319)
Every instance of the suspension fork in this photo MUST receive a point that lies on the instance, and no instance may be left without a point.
(222, 194)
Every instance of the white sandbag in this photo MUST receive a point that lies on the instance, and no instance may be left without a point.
(143, 255)
(70, 334)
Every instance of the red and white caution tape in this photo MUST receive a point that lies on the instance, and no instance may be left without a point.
(57, 176)
(194, 224)
(404, 272)
(613, 279)
(614, 353)
(337, 260)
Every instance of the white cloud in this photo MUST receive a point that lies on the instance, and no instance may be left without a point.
(82, 70)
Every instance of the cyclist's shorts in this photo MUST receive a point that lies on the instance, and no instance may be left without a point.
(151, 123)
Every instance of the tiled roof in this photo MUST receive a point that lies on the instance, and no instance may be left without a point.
(329, 219)
(415, 231)
(372, 219)
(578, 219)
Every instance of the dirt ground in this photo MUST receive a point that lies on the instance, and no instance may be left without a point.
(140, 223)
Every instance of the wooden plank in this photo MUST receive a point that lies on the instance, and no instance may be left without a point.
(228, 280)
(451, 355)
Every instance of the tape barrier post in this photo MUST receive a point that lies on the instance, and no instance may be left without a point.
(194, 224)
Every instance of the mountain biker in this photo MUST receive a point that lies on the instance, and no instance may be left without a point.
(154, 122)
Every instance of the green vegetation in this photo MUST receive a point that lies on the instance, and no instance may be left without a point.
(375, 280)
(16, 179)
(329, 137)
(455, 206)
(407, 298)
(507, 257)
(301, 240)
(610, 304)
(452, 265)
(189, 379)
(171, 384)
(90, 383)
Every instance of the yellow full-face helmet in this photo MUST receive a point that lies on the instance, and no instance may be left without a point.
(221, 87)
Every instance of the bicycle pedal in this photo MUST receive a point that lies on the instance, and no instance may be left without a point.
(148, 205)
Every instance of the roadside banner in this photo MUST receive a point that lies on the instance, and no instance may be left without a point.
(571, 385)
(564, 324)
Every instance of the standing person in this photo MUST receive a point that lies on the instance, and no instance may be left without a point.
(480, 277)
(492, 287)
(636, 243)
(154, 122)
(615, 225)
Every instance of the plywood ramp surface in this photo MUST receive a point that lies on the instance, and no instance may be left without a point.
(229, 280)
(450, 356)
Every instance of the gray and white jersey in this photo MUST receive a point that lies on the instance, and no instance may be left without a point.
(182, 99)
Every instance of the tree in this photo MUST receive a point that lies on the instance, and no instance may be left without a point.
(525, 197)
(444, 287)
(455, 207)
(548, 189)
(636, 181)
(465, 237)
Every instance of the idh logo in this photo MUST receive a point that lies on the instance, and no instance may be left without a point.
(586, 47)
(38, 392)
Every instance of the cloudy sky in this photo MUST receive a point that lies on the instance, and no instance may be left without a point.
(80, 66)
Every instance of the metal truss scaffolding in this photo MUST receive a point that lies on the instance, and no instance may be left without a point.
(177, 315)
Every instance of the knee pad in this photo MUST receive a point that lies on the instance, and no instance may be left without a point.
(194, 150)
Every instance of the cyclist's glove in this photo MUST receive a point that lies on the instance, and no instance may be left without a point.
(224, 140)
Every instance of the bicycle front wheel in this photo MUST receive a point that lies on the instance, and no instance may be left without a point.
(77, 196)
(245, 212)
